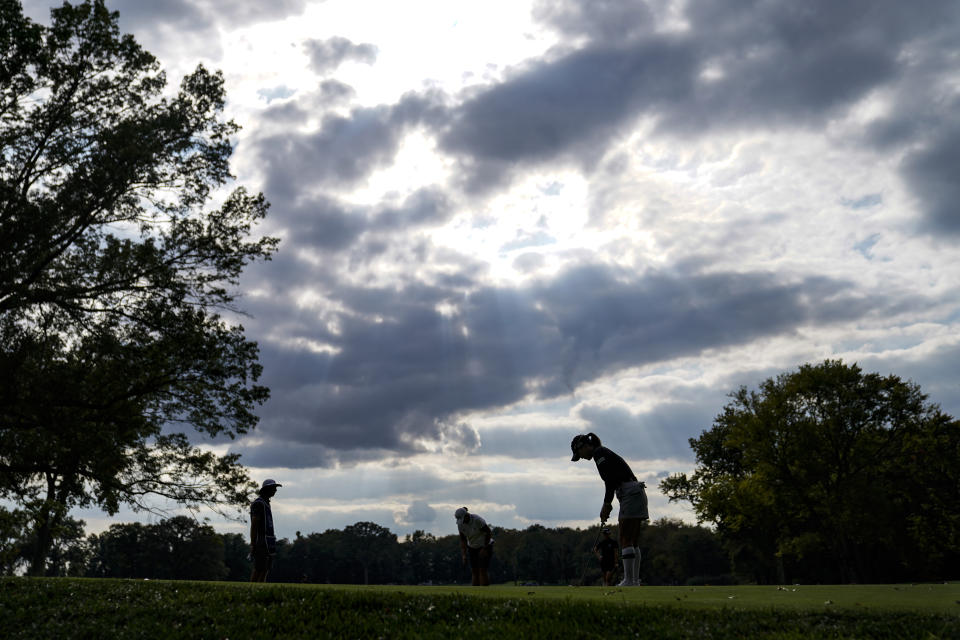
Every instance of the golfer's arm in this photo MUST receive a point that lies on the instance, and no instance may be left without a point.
(609, 491)
(609, 485)
(256, 529)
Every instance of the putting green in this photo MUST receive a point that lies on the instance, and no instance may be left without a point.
(900, 597)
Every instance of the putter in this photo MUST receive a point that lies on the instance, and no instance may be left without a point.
(583, 574)
(597, 539)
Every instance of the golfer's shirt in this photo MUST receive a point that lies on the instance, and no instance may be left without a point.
(613, 470)
(474, 531)
(261, 507)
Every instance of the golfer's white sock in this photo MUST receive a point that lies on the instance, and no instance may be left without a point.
(636, 565)
(628, 555)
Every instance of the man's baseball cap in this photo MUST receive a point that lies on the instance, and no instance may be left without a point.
(270, 482)
(460, 513)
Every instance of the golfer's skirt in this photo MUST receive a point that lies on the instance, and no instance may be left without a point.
(633, 500)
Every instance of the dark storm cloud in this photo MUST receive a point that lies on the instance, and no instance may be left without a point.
(934, 174)
(936, 373)
(323, 223)
(609, 320)
(403, 370)
(739, 64)
(343, 151)
(833, 53)
(291, 455)
(603, 20)
(330, 93)
(334, 92)
(425, 207)
(570, 106)
(808, 57)
(200, 15)
(327, 55)
(191, 16)
(301, 168)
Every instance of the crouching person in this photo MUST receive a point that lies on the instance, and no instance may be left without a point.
(476, 541)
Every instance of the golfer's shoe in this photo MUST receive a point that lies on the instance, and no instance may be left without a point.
(628, 583)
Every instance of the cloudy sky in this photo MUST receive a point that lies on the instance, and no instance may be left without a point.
(505, 223)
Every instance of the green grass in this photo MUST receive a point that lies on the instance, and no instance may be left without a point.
(930, 598)
(68, 608)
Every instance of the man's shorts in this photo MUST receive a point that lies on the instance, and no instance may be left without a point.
(633, 501)
(607, 565)
(480, 560)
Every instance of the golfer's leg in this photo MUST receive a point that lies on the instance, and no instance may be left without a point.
(259, 573)
(628, 551)
(630, 533)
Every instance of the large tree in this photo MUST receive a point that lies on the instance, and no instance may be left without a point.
(119, 251)
(828, 473)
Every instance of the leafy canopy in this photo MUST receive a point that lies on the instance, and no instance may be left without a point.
(119, 250)
(818, 473)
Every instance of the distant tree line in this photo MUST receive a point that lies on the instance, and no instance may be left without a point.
(180, 548)
(822, 475)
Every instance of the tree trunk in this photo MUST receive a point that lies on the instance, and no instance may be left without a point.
(848, 569)
(42, 544)
(46, 518)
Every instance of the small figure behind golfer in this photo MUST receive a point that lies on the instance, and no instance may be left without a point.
(606, 550)
(619, 480)
(476, 540)
(263, 539)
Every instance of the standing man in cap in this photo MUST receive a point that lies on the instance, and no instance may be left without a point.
(620, 481)
(263, 539)
(476, 539)
(606, 551)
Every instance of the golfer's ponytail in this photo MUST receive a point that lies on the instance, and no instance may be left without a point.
(593, 440)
